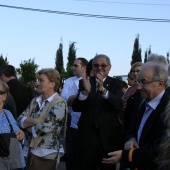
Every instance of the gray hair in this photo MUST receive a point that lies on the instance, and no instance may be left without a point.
(103, 56)
(158, 59)
(159, 72)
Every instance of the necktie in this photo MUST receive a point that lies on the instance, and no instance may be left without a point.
(143, 119)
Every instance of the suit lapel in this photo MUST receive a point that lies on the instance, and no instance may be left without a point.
(106, 83)
(153, 117)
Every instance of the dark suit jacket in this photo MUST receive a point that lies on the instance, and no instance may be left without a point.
(153, 131)
(109, 125)
(20, 93)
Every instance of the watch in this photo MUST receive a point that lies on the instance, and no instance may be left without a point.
(103, 91)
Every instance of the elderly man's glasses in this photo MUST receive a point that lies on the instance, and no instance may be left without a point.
(144, 82)
(103, 66)
(2, 92)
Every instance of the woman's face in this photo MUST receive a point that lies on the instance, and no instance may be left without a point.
(3, 96)
(135, 71)
(44, 85)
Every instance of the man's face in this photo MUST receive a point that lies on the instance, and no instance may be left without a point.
(149, 89)
(100, 65)
(78, 69)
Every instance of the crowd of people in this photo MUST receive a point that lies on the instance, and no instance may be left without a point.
(106, 123)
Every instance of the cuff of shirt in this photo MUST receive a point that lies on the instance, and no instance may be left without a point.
(82, 97)
(34, 133)
(106, 96)
(21, 122)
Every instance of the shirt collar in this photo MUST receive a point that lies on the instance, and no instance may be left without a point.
(154, 102)
(39, 98)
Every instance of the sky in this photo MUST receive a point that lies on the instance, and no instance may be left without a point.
(35, 35)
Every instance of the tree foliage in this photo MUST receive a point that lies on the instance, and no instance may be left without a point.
(71, 58)
(136, 55)
(3, 61)
(28, 71)
(59, 64)
(147, 53)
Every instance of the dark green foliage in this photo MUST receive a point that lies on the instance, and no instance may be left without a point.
(167, 57)
(168, 62)
(3, 61)
(147, 53)
(136, 55)
(28, 71)
(71, 58)
(59, 64)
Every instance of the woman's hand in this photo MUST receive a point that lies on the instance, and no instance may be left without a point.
(20, 135)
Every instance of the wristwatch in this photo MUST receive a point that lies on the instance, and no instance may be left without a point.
(103, 91)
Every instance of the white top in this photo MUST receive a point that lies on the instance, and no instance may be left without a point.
(70, 88)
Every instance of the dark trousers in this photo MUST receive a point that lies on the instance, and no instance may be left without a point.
(91, 158)
(72, 153)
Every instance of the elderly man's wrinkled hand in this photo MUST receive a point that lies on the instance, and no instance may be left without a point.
(114, 157)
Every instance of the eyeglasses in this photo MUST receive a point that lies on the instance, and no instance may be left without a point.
(144, 82)
(76, 65)
(135, 71)
(2, 92)
(103, 66)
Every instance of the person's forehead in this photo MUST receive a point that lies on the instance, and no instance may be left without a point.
(100, 60)
(136, 67)
(145, 73)
(77, 62)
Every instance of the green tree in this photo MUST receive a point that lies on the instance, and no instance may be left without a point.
(168, 62)
(3, 61)
(71, 58)
(136, 55)
(167, 57)
(59, 64)
(147, 53)
(28, 71)
(146, 56)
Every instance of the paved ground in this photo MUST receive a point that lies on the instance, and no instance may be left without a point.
(62, 166)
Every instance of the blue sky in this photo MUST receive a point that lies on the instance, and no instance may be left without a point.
(26, 35)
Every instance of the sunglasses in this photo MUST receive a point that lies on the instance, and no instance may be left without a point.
(2, 92)
(76, 65)
(135, 71)
(103, 66)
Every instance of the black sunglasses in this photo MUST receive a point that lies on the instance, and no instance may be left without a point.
(103, 66)
(2, 92)
(135, 71)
